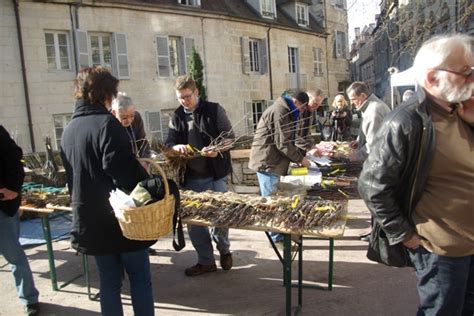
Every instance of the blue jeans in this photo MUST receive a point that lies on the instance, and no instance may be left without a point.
(200, 235)
(445, 284)
(268, 184)
(137, 266)
(11, 249)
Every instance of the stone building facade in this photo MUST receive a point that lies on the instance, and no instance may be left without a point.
(252, 51)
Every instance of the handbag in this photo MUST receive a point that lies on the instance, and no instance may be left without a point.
(381, 251)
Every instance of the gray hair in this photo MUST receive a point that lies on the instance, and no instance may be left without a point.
(358, 87)
(121, 102)
(435, 51)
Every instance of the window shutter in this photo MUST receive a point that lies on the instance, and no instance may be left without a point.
(245, 55)
(154, 124)
(188, 49)
(263, 56)
(249, 118)
(163, 56)
(121, 55)
(82, 48)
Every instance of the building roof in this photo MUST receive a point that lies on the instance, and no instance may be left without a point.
(231, 8)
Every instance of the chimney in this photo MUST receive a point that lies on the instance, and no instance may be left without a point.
(357, 31)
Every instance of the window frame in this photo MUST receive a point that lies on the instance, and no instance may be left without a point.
(254, 55)
(65, 119)
(190, 3)
(293, 67)
(305, 13)
(264, 9)
(183, 54)
(253, 116)
(101, 36)
(57, 55)
(318, 62)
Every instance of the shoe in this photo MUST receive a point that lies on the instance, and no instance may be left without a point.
(199, 269)
(32, 309)
(152, 252)
(365, 238)
(226, 261)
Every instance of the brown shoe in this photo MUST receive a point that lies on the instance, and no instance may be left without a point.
(199, 269)
(226, 261)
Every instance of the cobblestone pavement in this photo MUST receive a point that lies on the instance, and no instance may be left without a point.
(252, 287)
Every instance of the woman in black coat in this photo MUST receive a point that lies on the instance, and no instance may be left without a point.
(98, 159)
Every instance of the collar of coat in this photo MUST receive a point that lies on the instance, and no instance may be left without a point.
(84, 108)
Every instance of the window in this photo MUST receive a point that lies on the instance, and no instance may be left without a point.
(60, 121)
(194, 3)
(302, 17)
(292, 59)
(157, 124)
(254, 55)
(340, 45)
(253, 113)
(105, 49)
(173, 53)
(341, 4)
(100, 50)
(254, 58)
(318, 62)
(267, 8)
(57, 50)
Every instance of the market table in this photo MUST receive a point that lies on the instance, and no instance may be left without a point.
(242, 206)
(47, 213)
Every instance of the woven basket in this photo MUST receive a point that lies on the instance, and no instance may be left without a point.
(149, 222)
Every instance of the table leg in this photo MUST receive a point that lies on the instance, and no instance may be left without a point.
(49, 248)
(287, 270)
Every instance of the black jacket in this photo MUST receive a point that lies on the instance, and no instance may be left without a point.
(206, 118)
(393, 176)
(98, 158)
(11, 171)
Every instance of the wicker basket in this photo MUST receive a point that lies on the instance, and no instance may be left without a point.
(149, 222)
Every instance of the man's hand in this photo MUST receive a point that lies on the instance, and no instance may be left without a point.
(354, 144)
(206, 152)
(305, 163)
(412, 241)
(182, 149)
(6, 195)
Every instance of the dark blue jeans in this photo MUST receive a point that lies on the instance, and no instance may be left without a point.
(137, 267)
(445, 284)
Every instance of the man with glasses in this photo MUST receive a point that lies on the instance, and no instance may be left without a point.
(193, 126)
(274, 143)
(418, 184)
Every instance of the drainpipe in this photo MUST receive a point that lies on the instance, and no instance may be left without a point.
(204, 53)
(326, 43)
(269, 62)
(23, 72)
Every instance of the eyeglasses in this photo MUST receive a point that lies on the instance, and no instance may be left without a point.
(186, 97)
(466, 74)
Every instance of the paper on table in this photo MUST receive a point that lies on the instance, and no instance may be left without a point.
(322, 161)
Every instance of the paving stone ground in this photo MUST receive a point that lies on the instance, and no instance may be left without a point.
(252, 287)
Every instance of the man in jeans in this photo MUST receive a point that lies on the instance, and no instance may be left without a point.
(11, 179)
(192, 128)
(418, 184)
(274, 144)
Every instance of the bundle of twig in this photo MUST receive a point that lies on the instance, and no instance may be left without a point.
(290, 214)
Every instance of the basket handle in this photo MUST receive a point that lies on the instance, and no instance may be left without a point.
(160, 170)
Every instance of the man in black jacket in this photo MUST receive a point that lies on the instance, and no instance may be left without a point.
(11, 179)
(194, 125)
(418, 184)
